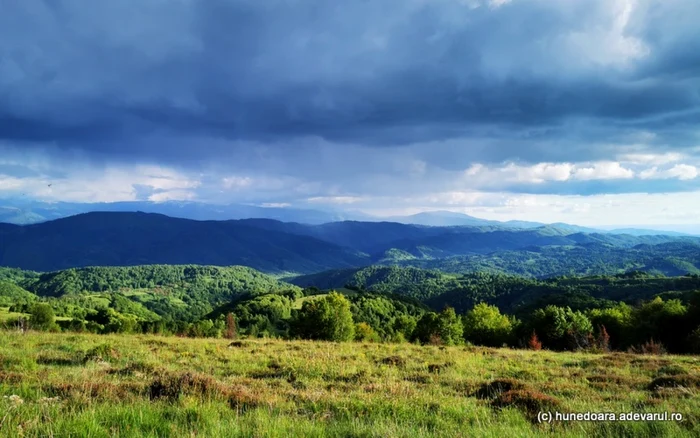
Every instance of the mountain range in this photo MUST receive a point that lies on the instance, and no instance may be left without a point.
(126, 239)
(25, 212)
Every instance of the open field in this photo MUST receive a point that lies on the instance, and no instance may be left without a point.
(91, 385)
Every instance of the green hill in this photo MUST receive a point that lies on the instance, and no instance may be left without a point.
(510, 293)
(412, 282)
(175, 292)
(11, 294)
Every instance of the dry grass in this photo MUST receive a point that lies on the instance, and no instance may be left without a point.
(90, 385)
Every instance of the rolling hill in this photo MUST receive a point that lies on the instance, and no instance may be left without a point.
(128, 239)
(508, 292)
(184, 292)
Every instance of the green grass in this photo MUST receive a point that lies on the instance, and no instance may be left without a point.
(6, 315)
(150, 386)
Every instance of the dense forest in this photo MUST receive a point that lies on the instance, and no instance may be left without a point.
(511, 293)
(634, 311)
(672, 259)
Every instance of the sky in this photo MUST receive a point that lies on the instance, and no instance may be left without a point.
(579, 111)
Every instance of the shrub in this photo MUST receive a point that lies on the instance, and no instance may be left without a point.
(649, 347)
(694, 341)
(603, 340)
(42, 317)
(444, 328)
(328, 318)
(560, 328)
(534, 342)
(485, 325)
(363, 332)
(231, 331)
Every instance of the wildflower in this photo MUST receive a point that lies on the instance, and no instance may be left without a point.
(49, 400)
(15, 400)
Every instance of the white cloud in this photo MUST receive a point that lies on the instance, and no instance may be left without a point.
(334, 199)
(9, 183)
(679, 171)
(236, 182)
(275, 204)
(652, 159)
(659, 209)
(173, 195)
(480, 175)
(113, 184)
(535, 174)
(603, 170)
(683, 172)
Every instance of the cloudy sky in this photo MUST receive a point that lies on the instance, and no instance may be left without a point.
(584, 111)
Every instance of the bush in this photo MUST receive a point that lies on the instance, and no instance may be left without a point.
(534, 342)
(328, 318)
(560, 328)
(649, 347)
(694, 341)
(42, 317)
(485, 325)
(363, 332)
(444, 328)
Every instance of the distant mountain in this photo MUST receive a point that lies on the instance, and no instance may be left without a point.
(646, 232)
(24, 212)
(450, 219)
(29, 212)
(443, 219)
(125, 239)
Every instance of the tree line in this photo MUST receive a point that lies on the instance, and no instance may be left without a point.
(655, 325)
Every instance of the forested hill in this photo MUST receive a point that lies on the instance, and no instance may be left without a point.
(671, 259)
(184, 292)
(510, 293)
(127, 239)
(376, 238)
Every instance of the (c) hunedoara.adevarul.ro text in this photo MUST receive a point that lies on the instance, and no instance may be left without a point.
(550, 417)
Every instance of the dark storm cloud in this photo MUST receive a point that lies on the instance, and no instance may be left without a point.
(106, 76)
(362, 103)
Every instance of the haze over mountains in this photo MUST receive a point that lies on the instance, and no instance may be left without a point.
(124, 239)
(22, 212)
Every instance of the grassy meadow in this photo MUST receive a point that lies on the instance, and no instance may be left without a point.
(74, 385)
